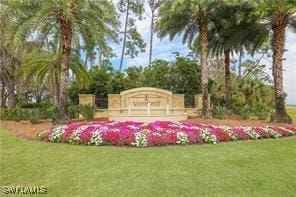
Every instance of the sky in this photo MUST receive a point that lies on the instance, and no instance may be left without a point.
(163, 49)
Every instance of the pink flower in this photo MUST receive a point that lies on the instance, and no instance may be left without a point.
(156, 133)
(240, 133)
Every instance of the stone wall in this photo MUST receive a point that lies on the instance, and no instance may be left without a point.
(114, 101)
(198, 101)
(178, 101)
(87, 99)
(138, 98)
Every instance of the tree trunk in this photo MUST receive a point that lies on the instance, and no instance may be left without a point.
(86, 60)
(203, 49)
(125, 32)
(228, 88)
(3, 96)
(248, 99)
(11, 95)
(66, 40)
(10, 87)
(151, 36)
(100, 54)
(241, 51)
(278, 42)
(55, 87)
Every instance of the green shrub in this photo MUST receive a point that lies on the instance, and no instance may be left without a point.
(5, 114)
(33, 115)
(87, 111)
(52, 113)
(18, 114)
(15, 114)
(73, 111)
(245, 112)
(261, 111)
(43, 108)
(43, 105)
(219, 112)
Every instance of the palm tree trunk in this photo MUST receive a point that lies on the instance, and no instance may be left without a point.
(100, 54)
(248, 99)
(11, 100)
(241, 51)
(278, 42)
(66, 40)
(125, 32)
(85, 60)
(3, 96)
(203, 42)
(228, 89)
(55, 87)
(57, 90)
(151, 36)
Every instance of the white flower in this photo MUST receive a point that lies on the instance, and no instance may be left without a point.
(251, 133)
(207, 136)
(141, 139)
(58, 132)
(272, 133)
(230, 133)
(96, 138)
(182, 138)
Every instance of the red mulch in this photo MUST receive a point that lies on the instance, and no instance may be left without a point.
(25, 128)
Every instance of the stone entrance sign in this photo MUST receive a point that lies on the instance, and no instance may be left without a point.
(145, 104)
(139, 98)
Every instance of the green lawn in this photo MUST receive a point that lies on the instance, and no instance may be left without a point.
(245, 168)
(292, 112)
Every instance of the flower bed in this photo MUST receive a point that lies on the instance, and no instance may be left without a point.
(158, 133)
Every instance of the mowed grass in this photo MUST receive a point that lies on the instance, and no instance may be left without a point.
(244, 168)
(292, 112)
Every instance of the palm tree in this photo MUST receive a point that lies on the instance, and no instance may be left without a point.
(191, 17)
(232, 32)
(278, 16)
(90, 21)
(10, 57)
(249, 87)
(44, 64)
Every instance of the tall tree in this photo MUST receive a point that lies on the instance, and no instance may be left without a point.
(46, 65)
(9, 63)
(191, 17)
(132, 40)
(232, 32)
(278, 16)
(91, 21)
(154, 5)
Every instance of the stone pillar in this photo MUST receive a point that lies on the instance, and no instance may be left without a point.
(114, 101)
(87, 99)
(198, 101)
(178, 101)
